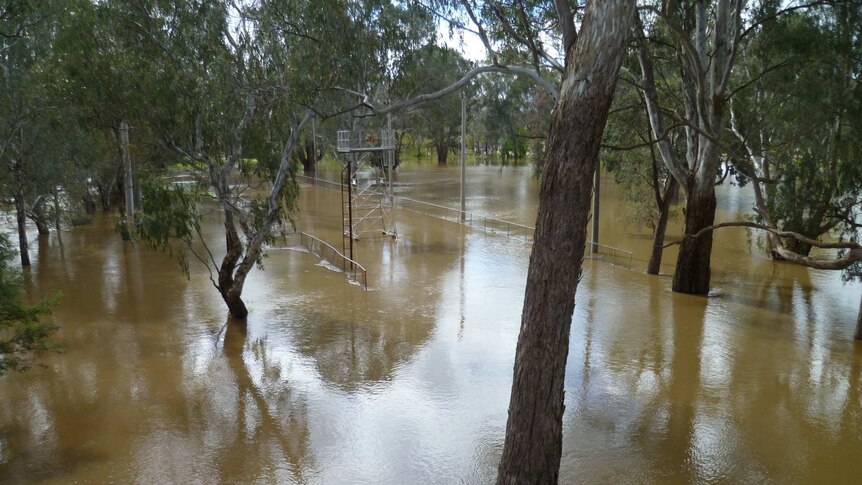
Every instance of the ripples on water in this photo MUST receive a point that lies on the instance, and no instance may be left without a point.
(409, 383)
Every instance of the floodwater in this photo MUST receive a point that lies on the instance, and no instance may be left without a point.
(409, 382)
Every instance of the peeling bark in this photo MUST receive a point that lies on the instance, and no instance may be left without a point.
(533, 446)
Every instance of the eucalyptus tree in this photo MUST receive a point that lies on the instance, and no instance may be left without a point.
(588, 69)
(216, 97)
(533, 445)
(24, 334)
(228, 83)
(99, 66)
(649, 192)
(798, 137)
(705, 38)
(25, 125)
(689, 53)
(797, 127)
(509, 113)
(432, 68)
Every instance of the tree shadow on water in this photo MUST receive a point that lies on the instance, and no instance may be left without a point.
(271, 417)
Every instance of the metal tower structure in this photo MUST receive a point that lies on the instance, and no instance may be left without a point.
(366, 184)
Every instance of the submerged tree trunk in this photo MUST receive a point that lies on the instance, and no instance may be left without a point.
(654, 266)
(693, 263)
(105, 193)
(39, 217)
(88, 202)
(21, 218)
(442, 153)
(42, 226)
(308, 155)
(533, 446)
(859, 323)
(228, 286)
(57, 212)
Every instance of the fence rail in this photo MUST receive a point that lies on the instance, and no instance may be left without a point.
(486, 224)
(354, 271)
(490, 225)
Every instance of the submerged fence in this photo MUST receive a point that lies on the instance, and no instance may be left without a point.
(489, 225)
(354, 271)
(486, 224)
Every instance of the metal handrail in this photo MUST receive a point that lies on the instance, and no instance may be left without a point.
(326, 252)
(487, 224)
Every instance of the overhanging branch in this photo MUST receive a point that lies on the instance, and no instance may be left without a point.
(457, 85)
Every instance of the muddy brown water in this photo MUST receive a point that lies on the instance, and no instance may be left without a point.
(409, 382)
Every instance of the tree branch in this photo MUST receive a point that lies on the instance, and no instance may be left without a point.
(852, 256)
(567, 23)
(424, 98)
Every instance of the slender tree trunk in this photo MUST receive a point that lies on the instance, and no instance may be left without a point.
(235, 305)
(859, 323)
(42, 226)
(88, 202)
(307, 156)
(533, 446)
(693, 263)
(128, 175)
(38, 216)
(105, 194)
(654, 265)
(230, 290)
(57, 212)
(21, 217)
(442, 153)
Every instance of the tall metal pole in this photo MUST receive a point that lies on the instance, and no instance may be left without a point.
(463, 151)
(128, 183)
(391, 154)
(314, 149)
(597, 183)
(350, 204)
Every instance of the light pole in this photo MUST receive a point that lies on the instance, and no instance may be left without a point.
(463, 151)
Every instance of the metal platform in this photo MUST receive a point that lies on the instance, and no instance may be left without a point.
(366, 184)
(353, 141)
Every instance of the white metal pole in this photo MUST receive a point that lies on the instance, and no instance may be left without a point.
(597, 184)
(128, 183)
(463, 151)
(391, 153)
(314, 149)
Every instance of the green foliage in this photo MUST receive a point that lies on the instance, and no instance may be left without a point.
(429, 69)
(23, 333)
(633, 161)
(804, 117)
(170, 215)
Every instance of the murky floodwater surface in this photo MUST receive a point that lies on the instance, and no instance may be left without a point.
(409, 382)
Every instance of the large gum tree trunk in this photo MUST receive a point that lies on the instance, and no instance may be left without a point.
(693, 263)
(235, 305)
(533, 446)
(654, 266)
(229, 287)
(21, 218)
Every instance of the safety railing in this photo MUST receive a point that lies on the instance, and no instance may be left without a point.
(354, 271)
(520, 232)
(319, 181)
(615, 256)
(486, 224)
